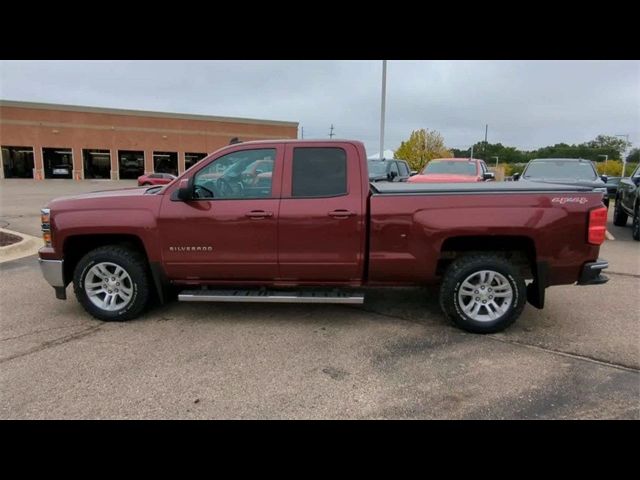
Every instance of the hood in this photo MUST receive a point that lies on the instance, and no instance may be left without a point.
(442, 178)
(125, 196)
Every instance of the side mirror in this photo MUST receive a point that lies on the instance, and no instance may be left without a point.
(489, 176)
(516, 176)
(392, 175)
(185, 190)
(605, 178)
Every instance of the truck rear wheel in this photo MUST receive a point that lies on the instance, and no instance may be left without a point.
(483, 293)
(112, 283)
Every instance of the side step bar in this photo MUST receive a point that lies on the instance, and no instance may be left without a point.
(271, 296)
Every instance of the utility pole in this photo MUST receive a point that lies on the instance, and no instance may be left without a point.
(486, 131)
(496, 161)
(302, 132)
(471, 152)
(331, 134)
(382, 107)
(624, 158)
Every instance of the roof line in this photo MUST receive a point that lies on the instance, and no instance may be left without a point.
(140, 113)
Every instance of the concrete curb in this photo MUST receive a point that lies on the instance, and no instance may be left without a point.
(27, 246)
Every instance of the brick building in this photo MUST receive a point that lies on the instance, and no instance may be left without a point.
(44, 141)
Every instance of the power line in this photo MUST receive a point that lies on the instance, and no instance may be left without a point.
(331, 134)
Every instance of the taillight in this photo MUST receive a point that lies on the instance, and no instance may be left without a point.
(597, 226)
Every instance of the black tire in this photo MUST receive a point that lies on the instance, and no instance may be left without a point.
(135, 266)
(619, 216)
(461, 269)
(635, 226)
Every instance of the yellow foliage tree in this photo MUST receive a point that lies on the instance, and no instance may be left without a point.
(422, 146)
(614, 168)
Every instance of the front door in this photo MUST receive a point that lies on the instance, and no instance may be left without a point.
(321, 225)
(228, 232)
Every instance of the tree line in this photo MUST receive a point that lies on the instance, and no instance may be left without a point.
(424, 145)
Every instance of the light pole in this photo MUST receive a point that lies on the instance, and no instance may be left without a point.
(624, 158)
(496, 161)
(384, 95)
(606, 159)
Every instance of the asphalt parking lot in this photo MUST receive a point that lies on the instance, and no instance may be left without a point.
(394, 357)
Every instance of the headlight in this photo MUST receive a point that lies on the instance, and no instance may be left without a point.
(45, 218)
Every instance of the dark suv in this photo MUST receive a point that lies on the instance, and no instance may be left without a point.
(628, 203)
(388, 170)
(567, 171)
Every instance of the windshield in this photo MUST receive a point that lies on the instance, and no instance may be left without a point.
(377, 168)
(560, 169)
(451, 167)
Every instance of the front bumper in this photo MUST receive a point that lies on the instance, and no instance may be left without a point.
(592, 273)
(53, 273)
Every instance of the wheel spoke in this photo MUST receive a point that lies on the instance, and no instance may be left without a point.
(490, 277)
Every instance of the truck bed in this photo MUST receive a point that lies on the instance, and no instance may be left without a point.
(412, 224)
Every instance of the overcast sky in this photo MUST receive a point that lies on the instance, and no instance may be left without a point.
(527, 104)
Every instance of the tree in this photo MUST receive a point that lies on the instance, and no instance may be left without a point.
(422, 146)
(634, 156)
(609, 142)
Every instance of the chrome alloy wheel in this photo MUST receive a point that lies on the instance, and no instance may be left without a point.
(485, 295)
(108, 286)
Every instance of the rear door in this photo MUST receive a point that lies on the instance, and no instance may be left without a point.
(321, 225)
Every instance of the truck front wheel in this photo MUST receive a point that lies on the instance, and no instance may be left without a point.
(112, 283)
(483, 293)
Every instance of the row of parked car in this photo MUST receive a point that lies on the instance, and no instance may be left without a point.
(566, 171)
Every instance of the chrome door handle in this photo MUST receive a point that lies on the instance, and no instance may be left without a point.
(341, 213)
(258, 214)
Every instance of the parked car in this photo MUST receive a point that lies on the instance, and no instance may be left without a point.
(628, 203)
(61, 171)
(155, 179)
(612, 186)
(388, 170)
(322, 230)
(453, 170)
(566, 171)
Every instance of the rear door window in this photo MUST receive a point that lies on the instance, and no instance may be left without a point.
(319, 172)
(404, 171)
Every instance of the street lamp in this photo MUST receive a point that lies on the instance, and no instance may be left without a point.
(496, 161)
(624, 158)
(606, 159)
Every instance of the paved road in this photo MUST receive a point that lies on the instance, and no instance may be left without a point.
(394, 357)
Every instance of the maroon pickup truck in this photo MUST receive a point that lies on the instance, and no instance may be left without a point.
(311, 228)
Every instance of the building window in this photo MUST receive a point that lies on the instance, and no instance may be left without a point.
(97, 163)
(58, 162)
(165, 162)
(190, 159)
(17, 162)
(130, 164)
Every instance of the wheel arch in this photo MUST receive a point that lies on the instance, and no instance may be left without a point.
(77, 246)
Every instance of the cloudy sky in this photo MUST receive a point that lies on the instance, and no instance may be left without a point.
(527, 104)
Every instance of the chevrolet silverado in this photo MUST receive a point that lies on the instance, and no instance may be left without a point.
(315, 230)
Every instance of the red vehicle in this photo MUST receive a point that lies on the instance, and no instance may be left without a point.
(315, 230)
(155, 179)
(453, 170)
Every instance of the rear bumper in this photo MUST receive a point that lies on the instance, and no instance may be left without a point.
(591, 273)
